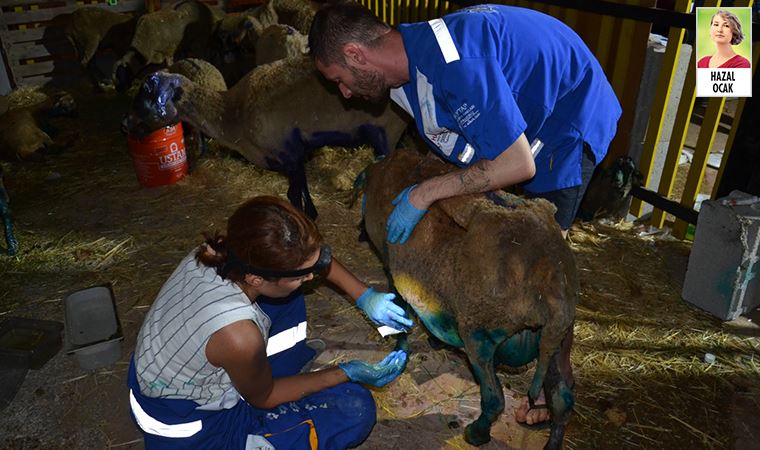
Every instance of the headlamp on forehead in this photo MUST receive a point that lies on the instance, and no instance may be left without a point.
(323, 262)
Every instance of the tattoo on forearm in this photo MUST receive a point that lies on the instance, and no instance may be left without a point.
(475, 178)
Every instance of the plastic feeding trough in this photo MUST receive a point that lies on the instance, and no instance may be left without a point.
(93, 330)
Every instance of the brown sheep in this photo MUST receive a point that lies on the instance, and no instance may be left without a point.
(274, 117)
(489, 274)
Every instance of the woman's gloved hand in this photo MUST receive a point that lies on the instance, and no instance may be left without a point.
(403, 218)
(379, 307)
(379, 374)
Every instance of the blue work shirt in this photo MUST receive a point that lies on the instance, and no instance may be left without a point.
(481, 76)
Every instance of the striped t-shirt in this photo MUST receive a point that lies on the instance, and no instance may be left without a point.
(170, 357)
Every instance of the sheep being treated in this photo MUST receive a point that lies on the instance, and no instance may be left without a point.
(274, 117)
(489, 274)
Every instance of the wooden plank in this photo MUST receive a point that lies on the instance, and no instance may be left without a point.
(660, 103)
(44, 15)
(677, 139)
(26, 51)
(42, 3)
(570, 17)
(17, 36)
(27, 70)
(61, 49)
(35, 80)
(699, 161)
(604, 42)
(629, 57)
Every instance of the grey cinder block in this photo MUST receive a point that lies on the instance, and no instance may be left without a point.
(722, 275)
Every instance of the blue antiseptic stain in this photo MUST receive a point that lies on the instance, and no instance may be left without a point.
(725, 285)
(443, 326)
(520, 349)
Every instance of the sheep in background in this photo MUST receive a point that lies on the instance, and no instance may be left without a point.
(489, 274)
(22, 132)
(92, 29)
(609, 192)
(297, 13)
(21, 137)
(206, 75)
(185, 29)
(279, 42)
(274, 117)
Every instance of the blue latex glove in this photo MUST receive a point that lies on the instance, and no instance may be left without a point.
(379, 307)
(379, 374)
(404, 217)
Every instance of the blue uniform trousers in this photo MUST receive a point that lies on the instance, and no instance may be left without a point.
(335, 418)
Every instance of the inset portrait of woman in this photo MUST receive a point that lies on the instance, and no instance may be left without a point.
(725, 32)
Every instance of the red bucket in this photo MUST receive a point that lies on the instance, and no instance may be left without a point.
(159, 157)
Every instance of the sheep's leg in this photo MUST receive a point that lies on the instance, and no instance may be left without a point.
(558, 387)
(298, 191)
(480, 346)
(553, 333)
(199, 147)
(5, 213)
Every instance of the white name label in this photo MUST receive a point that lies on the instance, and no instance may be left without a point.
(724, 82)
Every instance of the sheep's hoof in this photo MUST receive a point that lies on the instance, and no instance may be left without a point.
(477, 435)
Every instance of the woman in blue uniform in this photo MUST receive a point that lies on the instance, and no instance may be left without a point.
(510, 95)
(219, 357)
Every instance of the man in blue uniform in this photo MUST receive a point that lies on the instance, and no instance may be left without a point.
(510, 95)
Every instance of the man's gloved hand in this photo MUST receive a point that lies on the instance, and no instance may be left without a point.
(379, 307)
(404, 217)
(379, 374)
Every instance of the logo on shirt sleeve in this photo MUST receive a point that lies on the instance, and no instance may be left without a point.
(466, 114)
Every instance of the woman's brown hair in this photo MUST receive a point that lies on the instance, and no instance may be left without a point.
(265, 232)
